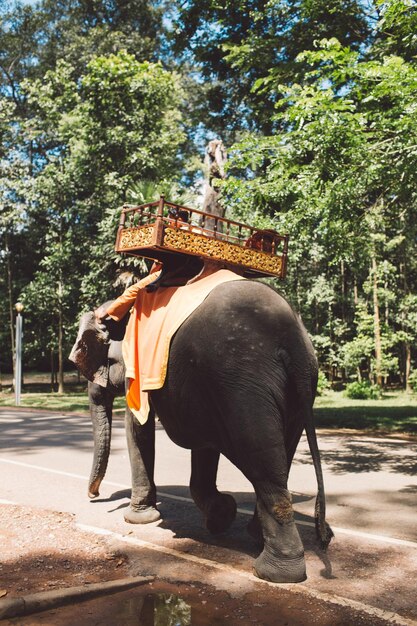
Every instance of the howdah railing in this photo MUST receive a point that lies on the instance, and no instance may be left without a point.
(157, 229)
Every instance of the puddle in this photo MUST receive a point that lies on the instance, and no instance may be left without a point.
(160, 609)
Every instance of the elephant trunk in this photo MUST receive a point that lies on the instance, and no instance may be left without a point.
(101, 406)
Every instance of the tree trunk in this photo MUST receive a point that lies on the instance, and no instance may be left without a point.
(52, 371)
(215, 161)
(10, 297)
(377, 324)
(407, 346)
(355, 292)
(297, 289)
(330, 318)
(343, 289)
(60, 342)
(407, 366)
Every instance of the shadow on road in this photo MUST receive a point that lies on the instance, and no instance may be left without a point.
(358, 456)
(185, 521)
(25, 431)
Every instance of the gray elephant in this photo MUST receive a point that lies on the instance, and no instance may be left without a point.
(241, 382)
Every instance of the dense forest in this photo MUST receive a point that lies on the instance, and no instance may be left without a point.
(108, 101)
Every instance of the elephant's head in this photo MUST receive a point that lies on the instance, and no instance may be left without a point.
(90, 350)
(98, 356)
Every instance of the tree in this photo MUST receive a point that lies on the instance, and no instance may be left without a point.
(76, 131)
(341, 178)
(94, 137)
(408, 334)
(13, 246)
(241, 46)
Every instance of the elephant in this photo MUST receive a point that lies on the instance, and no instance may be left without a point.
(241, 381)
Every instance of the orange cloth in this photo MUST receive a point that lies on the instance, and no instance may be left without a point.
(118, 309)
(154, 320)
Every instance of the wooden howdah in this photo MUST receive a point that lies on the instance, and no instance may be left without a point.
(158, 229)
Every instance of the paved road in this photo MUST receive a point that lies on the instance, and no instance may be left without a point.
(371, 489)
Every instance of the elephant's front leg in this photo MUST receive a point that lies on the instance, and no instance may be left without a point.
(141, 447)
(219, 509)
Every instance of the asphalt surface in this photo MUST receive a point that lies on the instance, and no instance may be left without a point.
(371, 484)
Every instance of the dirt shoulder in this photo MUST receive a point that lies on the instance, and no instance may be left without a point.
(44, 550)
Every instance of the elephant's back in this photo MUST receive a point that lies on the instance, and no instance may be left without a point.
(242, 308)
(240, 322)
(230, 350)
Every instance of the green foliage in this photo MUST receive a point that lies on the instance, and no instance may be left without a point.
(320, 97)
(92, 138)
(244, 49)
(150, 191)
(131, 108)
(397, 28)
(341, 178)
(50, 206)
(34, 36)
(412, 379)
(107, 129)
(322, 384)
(362, 391)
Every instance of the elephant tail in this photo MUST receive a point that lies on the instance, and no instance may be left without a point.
(303, 370)
(323, 530)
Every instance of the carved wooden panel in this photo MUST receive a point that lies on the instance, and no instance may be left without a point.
(135, 238)
(185, 241)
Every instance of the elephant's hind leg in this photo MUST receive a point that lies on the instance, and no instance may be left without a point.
(219, 509)
(282, 557)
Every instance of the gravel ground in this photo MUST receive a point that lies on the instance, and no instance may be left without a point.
(43, 550)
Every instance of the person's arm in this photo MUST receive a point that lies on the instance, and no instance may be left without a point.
(118, 309)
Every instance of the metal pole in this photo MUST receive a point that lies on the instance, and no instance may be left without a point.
(18, 365)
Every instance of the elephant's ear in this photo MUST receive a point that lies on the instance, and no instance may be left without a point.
(90, 351)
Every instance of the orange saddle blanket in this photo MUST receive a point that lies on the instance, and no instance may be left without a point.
(153, 322)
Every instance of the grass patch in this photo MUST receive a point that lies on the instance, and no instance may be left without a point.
(73, 402)
(37, 393)
(395, 412)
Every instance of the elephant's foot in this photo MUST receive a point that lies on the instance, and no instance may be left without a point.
(278, 569)
(142, 515)
(220, 513)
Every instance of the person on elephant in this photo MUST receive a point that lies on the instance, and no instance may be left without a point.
(119, 307)
(178, 216)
